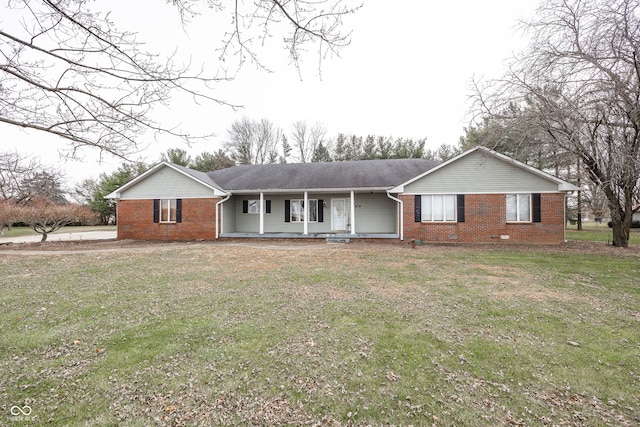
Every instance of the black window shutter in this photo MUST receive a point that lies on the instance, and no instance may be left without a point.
(460, 207)
(245, 206)
(156, 210)
(267, 207)
(287, 211)
(417, 208)
(178, 210)
(536, 207)
(320, 210)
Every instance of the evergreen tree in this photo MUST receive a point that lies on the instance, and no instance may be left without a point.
(321, 154)
(286, 149)
(340, 151)
(94, 191)
(369, 151)
(176, 156)
(207, 162)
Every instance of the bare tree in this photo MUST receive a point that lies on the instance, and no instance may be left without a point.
(13, 168)
(301, 141)
(67, 70)
(240, 141)
(251, 142)
(44, 216)
(596, 200)
(267, 137)
(23, 178)
(306, 138)
(317, 134)
(581, 79)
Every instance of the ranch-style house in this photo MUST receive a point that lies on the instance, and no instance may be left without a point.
(478, 196)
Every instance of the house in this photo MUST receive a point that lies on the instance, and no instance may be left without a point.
(478, 196)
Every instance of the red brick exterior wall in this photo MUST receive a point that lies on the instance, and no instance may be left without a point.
(135, 221)
(485, 221)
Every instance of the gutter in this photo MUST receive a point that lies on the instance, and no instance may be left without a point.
(219, 219)
(401, 214)
(309, 190)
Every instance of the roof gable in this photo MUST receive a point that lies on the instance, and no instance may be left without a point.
(482, 170)
(168, 180)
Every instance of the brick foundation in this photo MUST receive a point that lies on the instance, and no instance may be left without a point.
(485, 221)
(135, 221)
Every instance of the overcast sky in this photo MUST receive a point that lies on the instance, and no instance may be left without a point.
(406, 73)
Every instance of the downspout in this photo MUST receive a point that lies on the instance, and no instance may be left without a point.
(401, 213)
(219, 219)
(117, 222)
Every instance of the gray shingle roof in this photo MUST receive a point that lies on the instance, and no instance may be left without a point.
(361, 174)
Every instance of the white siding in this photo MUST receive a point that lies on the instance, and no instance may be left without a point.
(375, 213)
(480, 173)
(167, 183)
(229, 216)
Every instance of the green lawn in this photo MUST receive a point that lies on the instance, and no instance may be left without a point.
(212, 334)
(598, 233)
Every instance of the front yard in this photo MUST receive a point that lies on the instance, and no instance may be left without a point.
(217, 334)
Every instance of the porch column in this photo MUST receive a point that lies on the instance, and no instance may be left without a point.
(306, 213)
(353, 213)
(261, 210)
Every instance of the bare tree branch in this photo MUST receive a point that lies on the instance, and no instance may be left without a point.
(68, 71)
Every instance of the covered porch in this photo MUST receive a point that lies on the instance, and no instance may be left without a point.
(326, 236)
(334, 215)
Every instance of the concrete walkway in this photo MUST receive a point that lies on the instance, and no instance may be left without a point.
(62, 236)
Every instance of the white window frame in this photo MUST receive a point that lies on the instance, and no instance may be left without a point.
(252, 206)
(297, 207)
(431, 200)
(520, 211)
(167, 207)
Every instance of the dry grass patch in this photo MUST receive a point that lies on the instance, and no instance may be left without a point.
(202, 334)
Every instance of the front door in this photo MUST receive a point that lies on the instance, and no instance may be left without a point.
(338, 214)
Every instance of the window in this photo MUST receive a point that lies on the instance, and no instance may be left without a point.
(167, 210)
(313, 210)
(518, 207)
(438, 207)
(253, 206)
(297, 210)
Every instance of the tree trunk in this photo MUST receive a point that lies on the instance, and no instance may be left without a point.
(621, 227)
(579, 210)
(620, 235)
(579, 171)
(44, 238)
